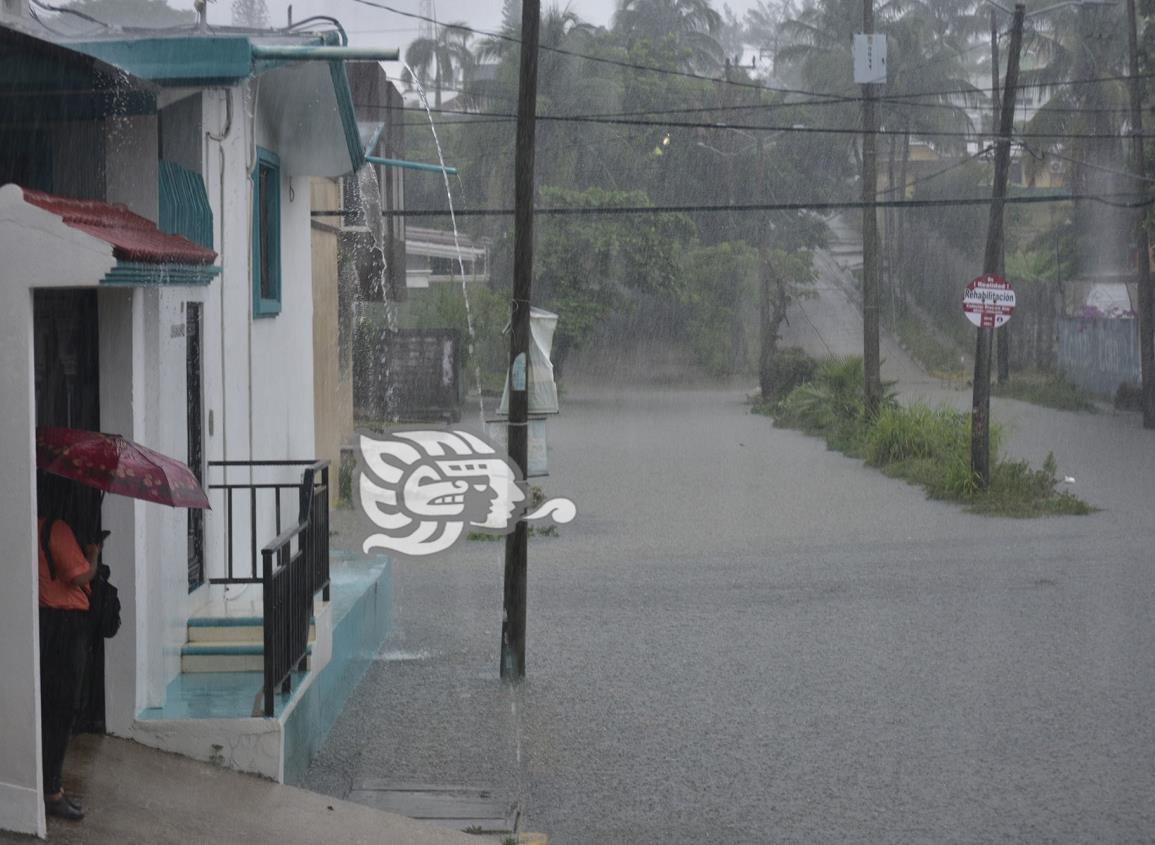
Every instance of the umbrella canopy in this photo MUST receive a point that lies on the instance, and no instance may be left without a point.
(113, 464)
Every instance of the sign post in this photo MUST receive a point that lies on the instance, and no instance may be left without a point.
(989, 301)
(981, 404)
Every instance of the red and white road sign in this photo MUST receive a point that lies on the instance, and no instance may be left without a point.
(989, 301)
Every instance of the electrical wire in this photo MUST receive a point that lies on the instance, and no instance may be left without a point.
(67, 11)
(965, 160)
(811, 206)
(737, 83)
(972, 136)
(1040, 156)
(336, 23)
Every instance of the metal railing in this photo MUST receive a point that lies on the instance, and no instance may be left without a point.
(249, 508)
(294, 565)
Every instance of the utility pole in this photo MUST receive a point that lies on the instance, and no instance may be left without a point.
(1142, 248)
(765, 341)
(871, 361)
(513, 617)
(1002, 333)
(981, 405)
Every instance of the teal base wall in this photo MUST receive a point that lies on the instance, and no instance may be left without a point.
(361, 620)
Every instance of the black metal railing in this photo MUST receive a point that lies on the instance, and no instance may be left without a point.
(294, 565)
(254, 510)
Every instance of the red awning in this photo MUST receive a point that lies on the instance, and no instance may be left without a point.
(133, 238)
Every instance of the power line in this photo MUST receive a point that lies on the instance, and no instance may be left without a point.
(736, 83)
(812, 206)
(975, 136)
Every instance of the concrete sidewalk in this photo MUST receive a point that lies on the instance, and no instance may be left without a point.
(133, 794)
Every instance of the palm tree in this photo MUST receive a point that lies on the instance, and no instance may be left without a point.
(1077, 44)
(688, 29)
(447, 55)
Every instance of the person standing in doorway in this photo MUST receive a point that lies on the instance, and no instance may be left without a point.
(65, 572)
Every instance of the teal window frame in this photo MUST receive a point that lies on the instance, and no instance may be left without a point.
(266, 239)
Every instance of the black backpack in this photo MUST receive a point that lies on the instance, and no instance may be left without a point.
(103, 600)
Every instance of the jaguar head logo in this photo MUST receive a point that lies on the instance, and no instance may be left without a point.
(423, 489)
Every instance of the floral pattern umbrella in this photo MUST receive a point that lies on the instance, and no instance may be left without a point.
(113, 464)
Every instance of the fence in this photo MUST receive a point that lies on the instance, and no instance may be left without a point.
(1099, 354)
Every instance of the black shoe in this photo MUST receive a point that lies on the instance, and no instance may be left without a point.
(63, 809)
(75, 802)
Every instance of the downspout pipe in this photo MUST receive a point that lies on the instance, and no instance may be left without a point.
(410, 165)
(323, 53)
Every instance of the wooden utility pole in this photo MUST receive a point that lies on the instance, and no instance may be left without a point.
(981, 406)
(871, 360)
(513, 617)
(1002, 333)
(1142, 247)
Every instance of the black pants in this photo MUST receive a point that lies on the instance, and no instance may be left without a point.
(64, 644)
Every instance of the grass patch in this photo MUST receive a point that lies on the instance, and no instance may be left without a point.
(938, 357)
(1048, 390)
(929, 447)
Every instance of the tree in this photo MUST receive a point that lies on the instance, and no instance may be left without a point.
(1084, 43)
(447, 55)
(587, 266)
(786, 278)
(251, 13)
(143, 13)
(685, 29)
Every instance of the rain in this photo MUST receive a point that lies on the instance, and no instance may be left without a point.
(839, 550)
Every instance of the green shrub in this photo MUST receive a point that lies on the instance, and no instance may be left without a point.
(922, 445)
(790, 368)
(901, 434)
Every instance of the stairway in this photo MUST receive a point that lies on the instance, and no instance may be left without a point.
(227, 644)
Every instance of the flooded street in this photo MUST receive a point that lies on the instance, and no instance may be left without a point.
(747, 638)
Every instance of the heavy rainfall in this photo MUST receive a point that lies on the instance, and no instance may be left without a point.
(849, 563)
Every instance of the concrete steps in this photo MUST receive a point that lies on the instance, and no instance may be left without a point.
(226, 644)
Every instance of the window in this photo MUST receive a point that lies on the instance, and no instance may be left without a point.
(266, 235)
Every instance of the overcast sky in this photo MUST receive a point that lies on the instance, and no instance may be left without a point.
(376, 27)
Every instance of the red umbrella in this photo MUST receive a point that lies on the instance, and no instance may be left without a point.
(111, 463)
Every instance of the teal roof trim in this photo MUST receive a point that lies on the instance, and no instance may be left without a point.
(344, 97)
(191, 60)
(186, 60)
(139, 273)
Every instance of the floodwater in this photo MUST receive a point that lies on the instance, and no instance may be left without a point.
(747, 638)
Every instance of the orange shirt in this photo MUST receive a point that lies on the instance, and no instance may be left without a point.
(70, 562)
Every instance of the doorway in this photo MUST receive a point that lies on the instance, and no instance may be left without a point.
(196, 441)
(67, 366)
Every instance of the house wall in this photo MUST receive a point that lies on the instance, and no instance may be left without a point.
(39, 251)
(332, 374)
(258, 373)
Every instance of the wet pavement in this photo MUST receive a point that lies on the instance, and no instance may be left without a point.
(747, 638)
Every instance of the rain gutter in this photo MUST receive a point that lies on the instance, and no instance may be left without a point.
(317, 53)
(411, 165)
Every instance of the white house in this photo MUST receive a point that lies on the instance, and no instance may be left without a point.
(155, 234)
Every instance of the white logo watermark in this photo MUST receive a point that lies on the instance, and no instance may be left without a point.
(421, 489)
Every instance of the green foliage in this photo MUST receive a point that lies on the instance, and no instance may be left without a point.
(587, 266)
(789, 368)
(1019, 491)
(934, 351)
(718, 293)
(925, 446)
(443, 306)
(833, 405)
